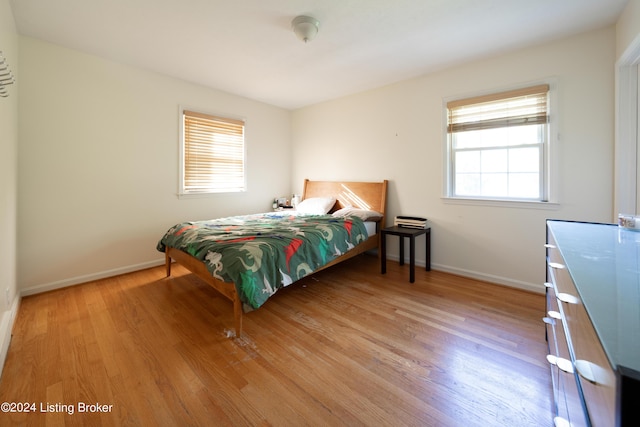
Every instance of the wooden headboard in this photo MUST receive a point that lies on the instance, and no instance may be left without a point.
(362, 195)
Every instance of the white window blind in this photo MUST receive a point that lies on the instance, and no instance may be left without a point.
(497, 145)
(518, 107)
(213, 154)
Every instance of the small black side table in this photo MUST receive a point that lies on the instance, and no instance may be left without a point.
(411, 233)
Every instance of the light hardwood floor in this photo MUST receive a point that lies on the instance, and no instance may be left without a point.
(347, 346)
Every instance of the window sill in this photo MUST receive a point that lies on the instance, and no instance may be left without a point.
(525, 204)
(205, 195)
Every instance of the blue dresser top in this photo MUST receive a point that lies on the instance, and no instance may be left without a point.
(604, 263)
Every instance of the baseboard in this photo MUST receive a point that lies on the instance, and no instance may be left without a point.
(6, 327)
(537, 288)
(89, 277)
(499, 280)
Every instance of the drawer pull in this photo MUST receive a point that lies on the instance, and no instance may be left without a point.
(549, 321)
(549, 246)
(548, 285)
(591, 372)
(555, 315)
(568, 298)
(557, 265)
(564, 364)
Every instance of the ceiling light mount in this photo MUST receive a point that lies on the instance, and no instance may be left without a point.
(305, 27)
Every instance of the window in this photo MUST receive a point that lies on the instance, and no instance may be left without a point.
(497, 146)
(213, 154)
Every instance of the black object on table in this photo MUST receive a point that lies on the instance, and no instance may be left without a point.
(411, 233)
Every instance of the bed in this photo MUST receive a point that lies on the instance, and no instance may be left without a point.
(274, 249)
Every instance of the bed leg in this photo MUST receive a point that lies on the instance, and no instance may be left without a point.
(237, 314)
(167, 261)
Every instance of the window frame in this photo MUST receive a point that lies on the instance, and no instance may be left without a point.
(182, 191)
(548, 161)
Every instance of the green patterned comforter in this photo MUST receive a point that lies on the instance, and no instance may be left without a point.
(262, 253)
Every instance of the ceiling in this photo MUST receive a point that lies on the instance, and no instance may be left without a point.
(247, 47)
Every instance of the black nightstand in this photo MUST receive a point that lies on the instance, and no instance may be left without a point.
(411, 233)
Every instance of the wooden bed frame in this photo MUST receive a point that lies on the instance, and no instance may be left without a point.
(363, 195)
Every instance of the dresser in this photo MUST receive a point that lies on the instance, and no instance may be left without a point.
(593, 323)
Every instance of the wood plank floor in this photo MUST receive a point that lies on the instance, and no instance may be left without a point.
(347, 346)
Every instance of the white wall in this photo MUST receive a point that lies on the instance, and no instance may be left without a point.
(628, 26)
(98, 158)
(8, 182)
(627, 154)
(98, 164)
(396, 133)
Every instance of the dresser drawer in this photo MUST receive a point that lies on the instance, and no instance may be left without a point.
(555, 326)
(567, 398)
(594, 373)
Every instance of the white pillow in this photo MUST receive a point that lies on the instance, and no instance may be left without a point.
(316, 205)
(363, 214)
